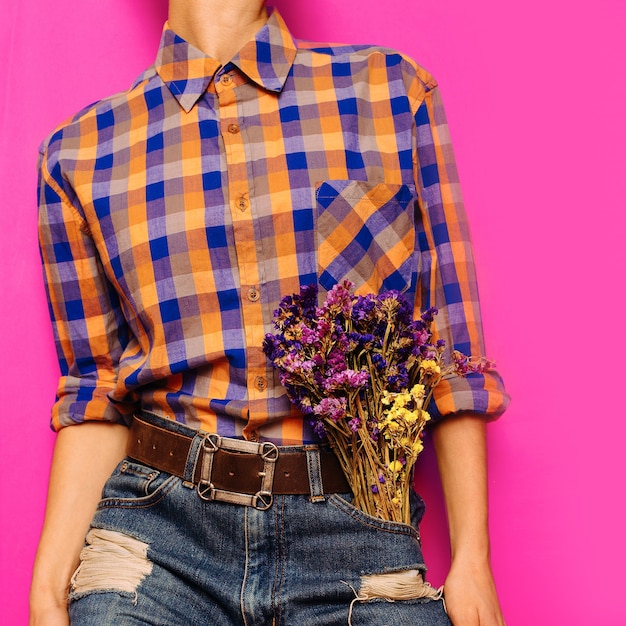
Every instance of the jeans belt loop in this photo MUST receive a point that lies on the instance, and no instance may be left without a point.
(314, 469)
(268, 451)
(193, 457)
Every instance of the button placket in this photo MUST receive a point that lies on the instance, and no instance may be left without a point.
(249, 262)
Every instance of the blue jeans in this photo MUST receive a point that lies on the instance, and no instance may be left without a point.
(157, 554)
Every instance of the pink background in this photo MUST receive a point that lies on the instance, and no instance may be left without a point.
(535, 97)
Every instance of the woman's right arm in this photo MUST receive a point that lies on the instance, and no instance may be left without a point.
(91, 333)
(84, 457)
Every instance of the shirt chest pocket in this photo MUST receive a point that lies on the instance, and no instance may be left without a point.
(365, 234)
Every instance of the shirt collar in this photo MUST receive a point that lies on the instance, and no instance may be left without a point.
(187, 72)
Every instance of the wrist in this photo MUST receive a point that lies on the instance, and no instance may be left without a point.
(470, 565)
(471, 559)
(470, 541)
(49, 593)
(46, 601)
(49, 586)
(472, 551)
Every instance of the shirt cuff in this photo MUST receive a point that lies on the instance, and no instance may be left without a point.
(482, 394)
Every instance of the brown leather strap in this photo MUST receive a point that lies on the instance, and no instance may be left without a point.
(167, 451)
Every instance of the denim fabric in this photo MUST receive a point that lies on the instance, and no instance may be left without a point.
(297, 564)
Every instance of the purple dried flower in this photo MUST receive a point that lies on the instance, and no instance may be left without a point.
(429, 352)
(465, 365)
(336, 361)
(364, 308)
(339, 298)
(374, 432)
(360, 342)
(309, 336)
(294, 364)
(460, 362)
(324, 327)
(429, 315)
(397, 378)
(355, 424)
(308, 300)
(332, 408)
(272, 347)
(379, 362)
(318, 428)
(421, 337)
(348, 379)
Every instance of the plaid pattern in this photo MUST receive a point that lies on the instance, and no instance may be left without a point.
(174, 217)
(365, 233)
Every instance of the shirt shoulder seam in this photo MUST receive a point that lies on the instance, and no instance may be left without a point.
(141, 80)
(49, 180)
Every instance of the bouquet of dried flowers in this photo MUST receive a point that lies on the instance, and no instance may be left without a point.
(364, 371)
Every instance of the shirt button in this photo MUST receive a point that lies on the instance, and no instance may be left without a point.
(253, 294)
(260, 383)
(233, 128)
(226, 79)
(242, 204)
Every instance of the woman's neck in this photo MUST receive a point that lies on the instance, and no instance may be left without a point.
(219, 28)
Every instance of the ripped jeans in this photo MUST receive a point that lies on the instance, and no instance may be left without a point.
(157, 554)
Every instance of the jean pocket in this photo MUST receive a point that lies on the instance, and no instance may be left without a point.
(366, 234)
(343, 503)
(134, 484)
(384, 546)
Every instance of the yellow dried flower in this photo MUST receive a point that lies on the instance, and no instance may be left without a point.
(391, 425)
(411, 417)
(418, 391)
(401, 400)
(418, 446)
(395, 466)
(429, 366)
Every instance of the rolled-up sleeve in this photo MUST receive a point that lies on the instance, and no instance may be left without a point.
(447, 271)
(89, 328)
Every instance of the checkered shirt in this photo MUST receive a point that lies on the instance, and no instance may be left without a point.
(176, 215)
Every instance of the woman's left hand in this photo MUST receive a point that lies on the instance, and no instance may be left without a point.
(470, 596)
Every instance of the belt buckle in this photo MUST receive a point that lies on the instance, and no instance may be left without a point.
(263, 498)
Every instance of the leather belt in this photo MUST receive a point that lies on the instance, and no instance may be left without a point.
(233, 470)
